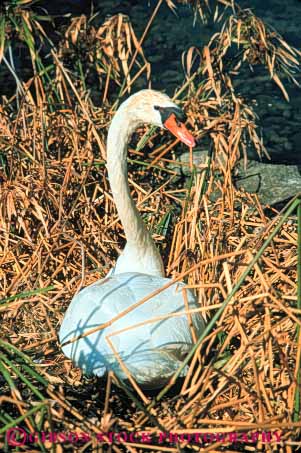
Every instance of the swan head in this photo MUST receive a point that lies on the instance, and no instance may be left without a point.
(156, 108)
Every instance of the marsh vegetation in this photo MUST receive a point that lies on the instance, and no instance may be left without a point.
(60, 230)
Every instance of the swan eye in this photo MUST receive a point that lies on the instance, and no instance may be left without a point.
(165, 113)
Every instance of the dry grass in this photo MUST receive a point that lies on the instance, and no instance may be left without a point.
(60, 232)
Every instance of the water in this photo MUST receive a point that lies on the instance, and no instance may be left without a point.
(172, 34)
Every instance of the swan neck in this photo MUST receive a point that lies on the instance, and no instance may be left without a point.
(139, 241)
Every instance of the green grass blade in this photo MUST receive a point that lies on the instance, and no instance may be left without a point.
(163, 225)
(22, 377)
(27, 364)
(7, 376)
(2, 37)
(20, 419)
(142, 142)
(291, 208)
(26, 294)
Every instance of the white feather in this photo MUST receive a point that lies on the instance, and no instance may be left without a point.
(151, 352)
(154, 351)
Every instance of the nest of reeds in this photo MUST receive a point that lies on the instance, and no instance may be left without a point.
(60, 232)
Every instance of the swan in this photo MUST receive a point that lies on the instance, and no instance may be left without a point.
(152, 351)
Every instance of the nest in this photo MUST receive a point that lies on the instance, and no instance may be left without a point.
(60, 231)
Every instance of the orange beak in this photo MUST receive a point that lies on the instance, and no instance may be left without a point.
(179, 130)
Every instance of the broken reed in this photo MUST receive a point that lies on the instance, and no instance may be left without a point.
(146, 410)
(61, 232)
(298, 375)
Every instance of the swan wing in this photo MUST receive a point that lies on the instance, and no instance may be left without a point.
(146, 349)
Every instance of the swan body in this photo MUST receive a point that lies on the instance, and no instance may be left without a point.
(151, 351)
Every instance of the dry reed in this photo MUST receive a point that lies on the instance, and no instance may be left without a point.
(60, 232)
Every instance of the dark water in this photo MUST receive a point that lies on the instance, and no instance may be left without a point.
(171, 34)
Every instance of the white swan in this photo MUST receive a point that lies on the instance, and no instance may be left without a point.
(151, 352)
